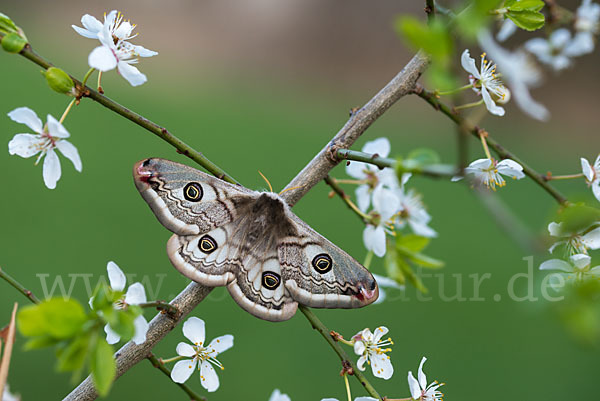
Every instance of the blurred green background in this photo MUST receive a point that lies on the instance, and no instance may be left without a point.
(264, 85)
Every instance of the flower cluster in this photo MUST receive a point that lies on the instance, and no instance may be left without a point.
(386, 201)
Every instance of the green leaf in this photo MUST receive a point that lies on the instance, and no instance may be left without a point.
(475, 16)
(103, 297)
(123, 324)
(419, 258)
(434, 39)
(72, 357)
(13, 42)
(103, 366)
(40, 342)
(6, 24)
(525, 5)
(528, 20)
(55, 317)
(578, 217)
(398, 269)
(414, 242)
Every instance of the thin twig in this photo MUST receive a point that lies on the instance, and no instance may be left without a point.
(432, 99)
(325, 332)
(6, 277)
(430, 10)
(340, 192)
(10, 341)
(143, 122)
(160, 366)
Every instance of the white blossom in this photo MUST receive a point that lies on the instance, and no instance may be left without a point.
(419, 389)
(574, 242)
(587, 25)
(519, 73)
(47, 138)
(591, 174)
(356, 399)
(372, 175)
(135, 295)
(578, 268)
(385, 206)
(202, 356)
(115, 50)
(279, 396)
(507, 29)
(8, 396)
(557, 50)
(489, 172)
(486, 82)
(412, 211)
(371, 349)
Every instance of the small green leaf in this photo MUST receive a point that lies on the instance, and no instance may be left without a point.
(103, 366)
(72, 357)
(59, 81)
(424, 156)
(40, 342)
(578, 217)
(55, 317)
(528, 20)
(415, 243)
(525, 5)
(13, 42)
(419, 258)
(434, 38)
(123, 324)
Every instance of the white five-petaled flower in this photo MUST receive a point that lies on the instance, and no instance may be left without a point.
(486, 82)
(574, 242)
(519, 72)
(47, 138)
(135, 295)
(115, 51)
(489, 172)
(591, 174)
(356, 399)
(412, 211)
(371, 349)
(279, 396)
(558, 49)
(385, 206)
(419, 390)
(578, 269)
(383, 283)
(586, 24)
(203, 356)
(372, 175)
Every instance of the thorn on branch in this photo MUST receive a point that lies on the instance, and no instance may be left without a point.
(548, 176)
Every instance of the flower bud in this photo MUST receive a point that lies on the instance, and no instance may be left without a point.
(13, 42)
(59, 81)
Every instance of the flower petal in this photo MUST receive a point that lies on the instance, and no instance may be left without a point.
(363, 197)
(383, 281)
(184, 349)
(381, 365)
(24, 115)
(220, 344)
(131, 74)
(143, 52)
(360, 364)
(374, 239)
(26, 145)
(468, 63)
(116, 277)
(510, 168)
(385, 202)
(70, 152)
(421, 375)
(379, 332)
(379, 146)
(111, 336)
(279, 396)
(413, 384)
(136, 294)
(555, 229)
(556, 264)
(91, 24)
(356, 170)
(580, 260)
(193, 330)
(507, 29)
(141, 328)
(596, 189)
(422, 229)
(359, 347)
(208, 377)
(490, 104)
(183, 370)
(591, 240)
(102, 58)
(51, 169)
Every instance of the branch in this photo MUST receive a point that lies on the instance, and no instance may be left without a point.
(430, 10)
(143, 122)
(318, 168)
(502, 152)
(340, 192)
(161, 306)
(161, 366)
(325, 332)
(315, 171)
(6, 277)
(130, 354)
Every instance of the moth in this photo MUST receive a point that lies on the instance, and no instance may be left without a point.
(227, 235)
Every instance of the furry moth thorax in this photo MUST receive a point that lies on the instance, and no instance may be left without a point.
(251, 242)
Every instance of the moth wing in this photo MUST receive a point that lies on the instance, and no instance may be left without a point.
(164, 185)
(319, 274)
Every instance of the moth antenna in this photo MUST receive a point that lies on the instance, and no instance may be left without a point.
(289, 189)
(265, 178)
